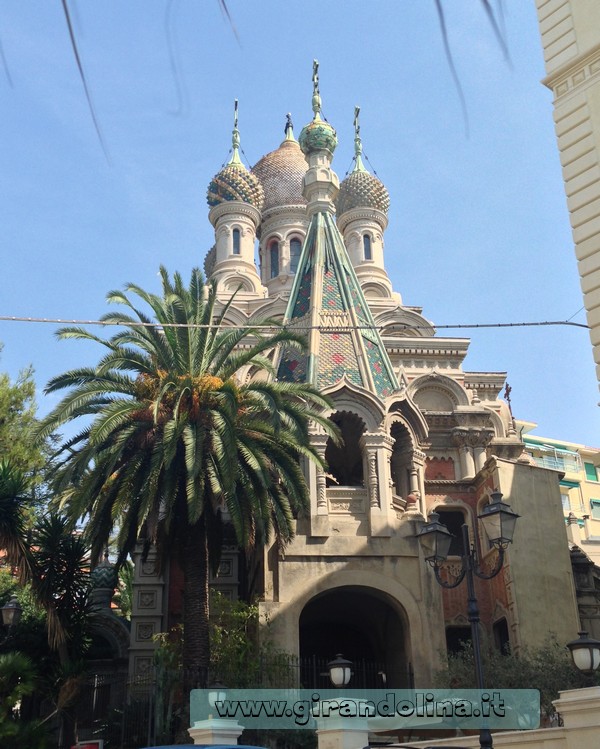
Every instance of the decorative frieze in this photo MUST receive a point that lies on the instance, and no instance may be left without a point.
(575, 74)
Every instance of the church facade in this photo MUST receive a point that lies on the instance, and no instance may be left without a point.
(420, 434)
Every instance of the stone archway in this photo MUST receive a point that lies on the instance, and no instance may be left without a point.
(364, 624)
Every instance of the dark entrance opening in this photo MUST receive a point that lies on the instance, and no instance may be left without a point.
(365, 626)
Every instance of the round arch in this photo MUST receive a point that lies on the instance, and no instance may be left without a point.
(418, 626)
(441, 386)
(357, 400)
(363, 623)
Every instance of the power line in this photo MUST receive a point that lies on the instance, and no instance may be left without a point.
(272, 326)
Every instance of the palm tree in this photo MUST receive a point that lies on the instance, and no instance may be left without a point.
(55, 563)
(14, 498)
(171, 439)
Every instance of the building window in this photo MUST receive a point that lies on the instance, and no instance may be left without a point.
(454, 521)
(367, 253)
(501, 636)
(595, 508)
(457, 639)
(591, 472)
(345, 461)
(566, 504)
(274, 258)
(295, 250)
(236, 241)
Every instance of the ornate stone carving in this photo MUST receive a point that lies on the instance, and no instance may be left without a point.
(144, 631)
(148, 568)
(147, 599)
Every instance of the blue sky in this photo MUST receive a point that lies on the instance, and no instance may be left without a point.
(479, 229)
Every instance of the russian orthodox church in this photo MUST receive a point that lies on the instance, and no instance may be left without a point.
(420, 434)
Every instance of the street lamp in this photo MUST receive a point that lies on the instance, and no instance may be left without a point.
(585, 652)
(216, 693)
(340, 671)
(11, 612)
(498, 521)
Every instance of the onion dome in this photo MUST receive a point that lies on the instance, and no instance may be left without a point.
(104, 575)
(318, 135)
(234, 181)
(281, 172)
(361, 189)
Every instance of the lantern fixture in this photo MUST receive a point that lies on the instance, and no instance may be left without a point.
(585, 653)
(340, 671)
(11, 612)
(435, 540)
(498, 521)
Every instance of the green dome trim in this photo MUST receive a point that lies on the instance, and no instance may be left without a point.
(318, 135)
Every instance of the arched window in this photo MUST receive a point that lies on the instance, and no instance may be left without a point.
(367, 253)
(295, 250)
(274, 258)
(236, 241)
(345, 461)
(454, 520)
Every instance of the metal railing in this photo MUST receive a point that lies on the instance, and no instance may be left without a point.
(146, 711)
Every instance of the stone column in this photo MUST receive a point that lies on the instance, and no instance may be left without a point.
(480, 439)
(376, 446)
(319, 506)
(460, 437)
(373, 482)
(418, 469)
(284, 256)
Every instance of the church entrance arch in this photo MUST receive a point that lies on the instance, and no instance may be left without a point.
(366, 626)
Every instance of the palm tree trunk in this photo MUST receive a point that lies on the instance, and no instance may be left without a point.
(196, 645)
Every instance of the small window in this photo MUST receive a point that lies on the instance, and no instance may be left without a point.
(295, 250)
(591, 473)
(566, 504)
(368, 255)
(236, 241)
(595, 508)
(274, 258)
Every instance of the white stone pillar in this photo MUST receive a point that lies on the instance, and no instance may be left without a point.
(319, 505)
(215, 731)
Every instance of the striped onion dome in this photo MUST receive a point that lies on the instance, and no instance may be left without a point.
(281, 173)
(234, 181)
(361, 189)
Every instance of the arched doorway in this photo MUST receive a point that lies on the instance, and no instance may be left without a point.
(367, 626)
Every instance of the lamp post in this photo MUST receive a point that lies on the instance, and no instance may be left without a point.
(340, 671)
(498, 521)
(585, 653)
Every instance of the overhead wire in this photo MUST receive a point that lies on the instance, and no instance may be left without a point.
(275, 326)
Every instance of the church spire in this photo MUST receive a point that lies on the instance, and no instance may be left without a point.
(235, 138)
(326, 302)
(358, 165)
